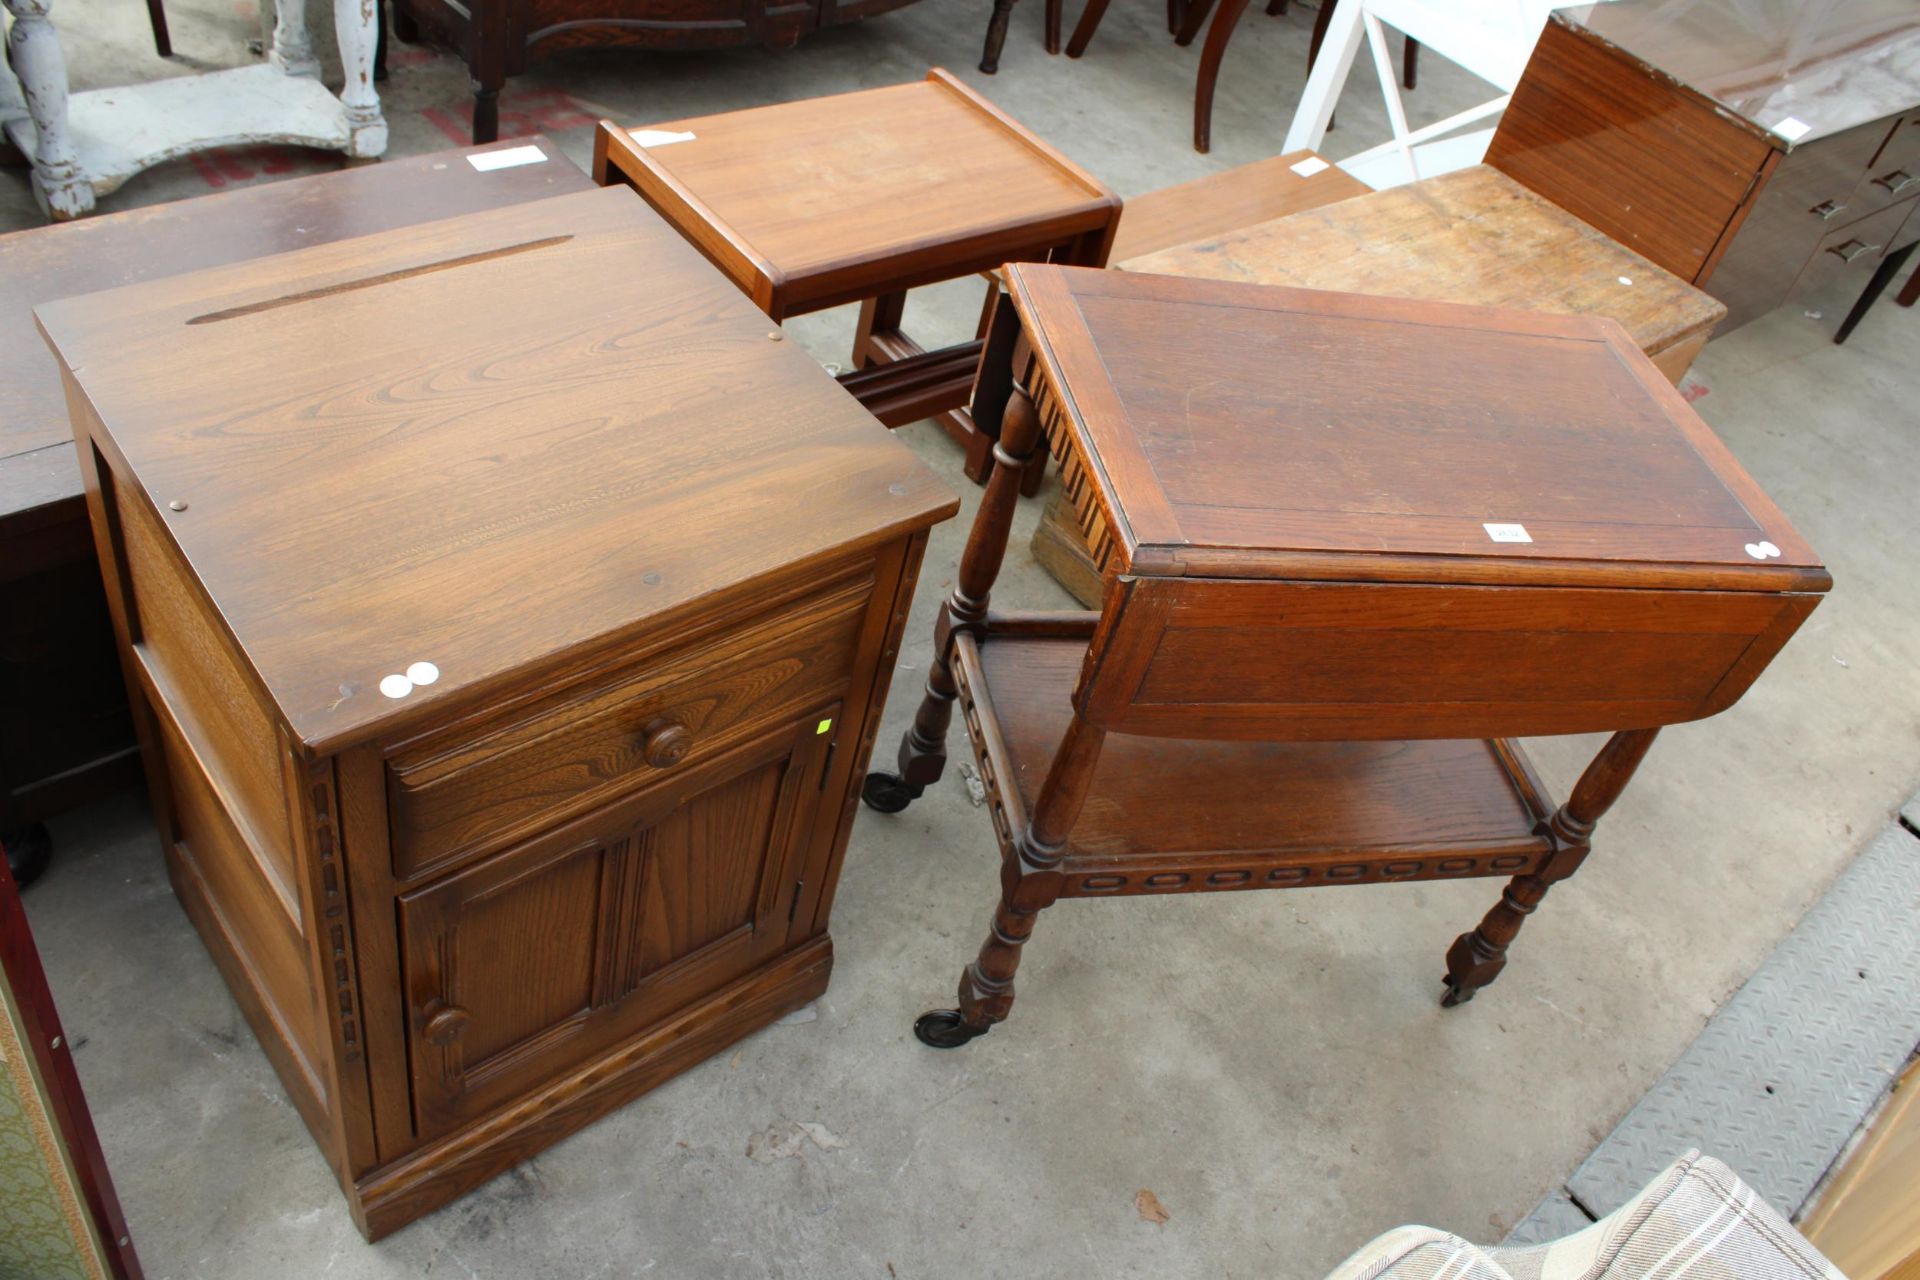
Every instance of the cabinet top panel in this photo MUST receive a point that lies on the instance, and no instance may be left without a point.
(1797, 70)
(474, 447)
(1237, 430)
(108, 250)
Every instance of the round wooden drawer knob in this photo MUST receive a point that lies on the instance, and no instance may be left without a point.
(667, 743)
(445, 1026)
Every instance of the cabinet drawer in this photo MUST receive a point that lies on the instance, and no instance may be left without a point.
(1858, 246)
(451, 799)
(1894, 174)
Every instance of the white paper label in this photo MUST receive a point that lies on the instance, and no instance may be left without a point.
(512, 157)
(1507, 532)
(1792, 129)
(1310, 166)
(658, 137)
(1762, 550)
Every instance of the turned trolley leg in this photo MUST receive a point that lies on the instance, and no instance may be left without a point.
(1029, 882)
(1476, 958)
(986, 985)
(923, 749)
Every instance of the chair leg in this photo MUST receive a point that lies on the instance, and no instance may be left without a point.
(1476, 958)
(157, 19)
(1321, 21)
(1910, 292)
(1224, 21)
(1191, 21)
(1882, 277)
(996, 36)
(1054, 17)
(1084, 29)
(1410, 63)
(1175, 14)
(1276, 8)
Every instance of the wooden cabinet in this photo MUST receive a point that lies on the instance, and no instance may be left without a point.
(501, 704)
(501, 38)
(1727, 142)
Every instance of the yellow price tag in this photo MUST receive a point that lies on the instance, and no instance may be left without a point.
(824, 726)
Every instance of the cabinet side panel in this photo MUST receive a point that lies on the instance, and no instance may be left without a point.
(209, 695)
(895, 574)
(1646, 161)
(264, 955)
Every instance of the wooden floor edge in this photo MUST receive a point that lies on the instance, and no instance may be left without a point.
(426, 1179)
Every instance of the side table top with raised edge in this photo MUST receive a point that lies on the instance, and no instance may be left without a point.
(1229, 200)
(43, 264)
(1473, 236)
(1235, 430)
(811, 204)
(499, 491)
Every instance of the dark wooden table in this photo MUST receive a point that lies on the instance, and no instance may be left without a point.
(860, 197)
(1354, 548)
(503, 696)
(501, 38)
(66, 737)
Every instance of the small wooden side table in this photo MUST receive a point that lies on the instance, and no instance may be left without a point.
(860, 197)
(1362, 545)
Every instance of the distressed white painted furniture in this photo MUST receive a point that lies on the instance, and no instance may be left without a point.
(84, 146)
(1490, 38)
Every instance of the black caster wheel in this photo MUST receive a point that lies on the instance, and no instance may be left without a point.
(886, 793)
(1456, 995)
(942, 1029)
(28, 851)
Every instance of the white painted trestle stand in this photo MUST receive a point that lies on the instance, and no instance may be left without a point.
(84, 146)
(1490, 38)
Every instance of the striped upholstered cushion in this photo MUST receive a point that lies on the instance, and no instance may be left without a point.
(1696, 1221)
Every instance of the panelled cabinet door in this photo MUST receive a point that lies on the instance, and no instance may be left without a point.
(577, 940)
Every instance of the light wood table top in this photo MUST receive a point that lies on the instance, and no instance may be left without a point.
(1473, 236)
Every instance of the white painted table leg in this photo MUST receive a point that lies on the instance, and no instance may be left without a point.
(58, 183)
(1328, 77)
(292, 50)
(12, 105)
(355, 24)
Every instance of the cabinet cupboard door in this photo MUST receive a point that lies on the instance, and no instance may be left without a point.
(540, 958)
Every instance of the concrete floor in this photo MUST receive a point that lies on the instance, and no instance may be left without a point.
(1276, 1069)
